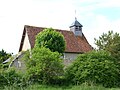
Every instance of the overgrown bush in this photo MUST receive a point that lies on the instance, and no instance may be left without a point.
(96, 67)
(10, 77)
(44, 66)
(51, 39)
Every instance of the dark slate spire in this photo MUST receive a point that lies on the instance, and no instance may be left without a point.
(76, 23)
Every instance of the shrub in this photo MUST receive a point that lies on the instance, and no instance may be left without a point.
(96, 67)
(51, 39)
(9, 77)
(44, 66)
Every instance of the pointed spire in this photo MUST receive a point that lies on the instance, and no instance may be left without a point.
(76, 23)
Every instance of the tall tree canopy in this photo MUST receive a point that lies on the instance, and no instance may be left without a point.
(51, 39)
(110, 42)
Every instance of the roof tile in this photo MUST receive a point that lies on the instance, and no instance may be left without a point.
(74, 44)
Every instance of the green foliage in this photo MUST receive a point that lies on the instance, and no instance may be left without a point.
(9, 77)
(4, 56)
(26, 57)
(51, 39)
(44, 66)
(96, 67)
(48, 87)
(110, 42)
(80, 87)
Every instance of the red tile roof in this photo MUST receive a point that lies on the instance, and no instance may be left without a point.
(74, 44)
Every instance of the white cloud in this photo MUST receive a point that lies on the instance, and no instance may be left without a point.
(101, 24)
(95, 24)
(90, 5)
(14, 14)
(17, 13)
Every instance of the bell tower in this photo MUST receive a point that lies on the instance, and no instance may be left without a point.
(76, 28)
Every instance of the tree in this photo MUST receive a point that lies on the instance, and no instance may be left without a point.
(51, 39)
(110, 42)
(44, 66)
(95, 67)
(4, 56)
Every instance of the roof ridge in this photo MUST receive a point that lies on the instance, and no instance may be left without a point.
(45, 27)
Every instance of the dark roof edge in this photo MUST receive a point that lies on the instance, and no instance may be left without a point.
(46, 27)
(75, 52)
(22, 39)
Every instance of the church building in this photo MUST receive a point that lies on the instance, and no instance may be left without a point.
(76, 43)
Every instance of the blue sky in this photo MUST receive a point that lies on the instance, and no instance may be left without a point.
(96, 16)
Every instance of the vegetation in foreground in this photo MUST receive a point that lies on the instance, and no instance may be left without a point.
(96, 70)
(47, 87)
(96, 67)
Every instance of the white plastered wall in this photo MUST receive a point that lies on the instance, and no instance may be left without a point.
(26, 43)
(70, 56)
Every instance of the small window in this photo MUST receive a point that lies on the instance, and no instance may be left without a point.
(76, 27)
(19, 64)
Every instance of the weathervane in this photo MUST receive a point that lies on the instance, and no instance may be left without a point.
(75, 15)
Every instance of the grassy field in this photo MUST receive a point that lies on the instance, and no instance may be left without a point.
(44, 87)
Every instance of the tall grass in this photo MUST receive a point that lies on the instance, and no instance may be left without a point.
(46, 87)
